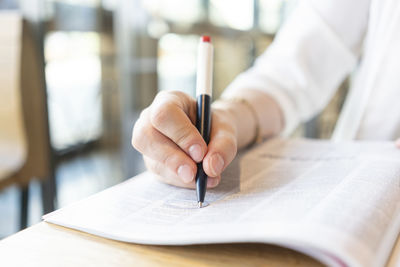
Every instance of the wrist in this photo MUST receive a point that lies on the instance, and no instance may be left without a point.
(227, 110)
(243, 120)
(256, 115)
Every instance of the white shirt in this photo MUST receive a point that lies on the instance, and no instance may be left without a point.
(321, 43)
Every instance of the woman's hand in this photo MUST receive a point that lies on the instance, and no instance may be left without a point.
(171, 145)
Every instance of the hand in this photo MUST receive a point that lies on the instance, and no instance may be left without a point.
(171, 145)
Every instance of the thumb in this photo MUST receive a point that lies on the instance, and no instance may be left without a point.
(222, 147)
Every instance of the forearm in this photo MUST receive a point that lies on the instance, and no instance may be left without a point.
(257, 110)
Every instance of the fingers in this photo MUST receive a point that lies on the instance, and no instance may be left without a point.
(222, 147)
(165, 175)
(173, 114)
(150, 142)
(171, 145)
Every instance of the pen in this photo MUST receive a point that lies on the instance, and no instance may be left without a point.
(203, 113)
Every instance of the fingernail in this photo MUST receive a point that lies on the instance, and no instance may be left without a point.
(185, 173)
(217, 163)
(196, 153)
(212, 182)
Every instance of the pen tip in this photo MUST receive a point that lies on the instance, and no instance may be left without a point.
(200, 204)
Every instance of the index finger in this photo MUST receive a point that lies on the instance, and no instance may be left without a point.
(172, 114)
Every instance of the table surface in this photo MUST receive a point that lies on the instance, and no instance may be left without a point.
(46, 244)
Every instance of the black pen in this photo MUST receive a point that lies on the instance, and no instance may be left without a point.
(203, 114)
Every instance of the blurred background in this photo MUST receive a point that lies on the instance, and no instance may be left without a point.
(82, 70)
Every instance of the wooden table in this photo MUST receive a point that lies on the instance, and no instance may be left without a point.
(46, 244)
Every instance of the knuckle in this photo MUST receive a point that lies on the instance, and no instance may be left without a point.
(160, 113)
(142, 129)
(152, 166)
(136, 135)
(182, 99)
(184, 137)
(136, 142)
(169, 96)
(168, 161)
(161, 94)
(179, 95)
(171, 162)
(144, 114)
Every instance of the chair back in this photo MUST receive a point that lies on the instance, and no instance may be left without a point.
(40, 158)
(13, 145)
(23, 101)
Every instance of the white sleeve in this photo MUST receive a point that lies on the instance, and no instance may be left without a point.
(311, 55)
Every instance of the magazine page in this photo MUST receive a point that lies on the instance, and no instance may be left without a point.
(335, 202)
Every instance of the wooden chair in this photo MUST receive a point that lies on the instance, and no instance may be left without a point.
(25, 150)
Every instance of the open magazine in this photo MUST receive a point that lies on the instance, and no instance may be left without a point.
(337, 202)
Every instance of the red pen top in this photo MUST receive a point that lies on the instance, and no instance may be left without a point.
(206, 39)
